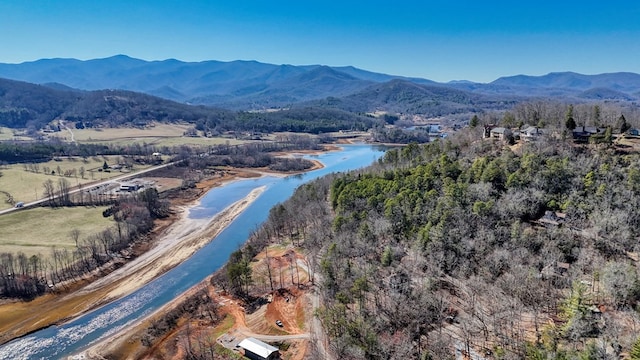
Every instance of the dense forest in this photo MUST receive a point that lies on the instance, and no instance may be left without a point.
(474, 247)
(526, 254)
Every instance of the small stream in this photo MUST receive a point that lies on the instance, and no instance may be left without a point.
(58, 342)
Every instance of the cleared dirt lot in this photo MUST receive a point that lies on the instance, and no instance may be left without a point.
(291, 304)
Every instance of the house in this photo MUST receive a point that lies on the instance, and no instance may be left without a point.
(531, 133)
(552, 218)
(500, 133)
(257, 350)
(486, 133)
(583, 133)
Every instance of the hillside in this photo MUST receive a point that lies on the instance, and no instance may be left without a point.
(28, 105)
(235, 84)
(622, 81)
(617, 85)
(474, 250)
(279, 90)
(401, 96)
(24, 105)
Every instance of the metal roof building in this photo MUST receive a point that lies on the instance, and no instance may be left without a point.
(258, 350)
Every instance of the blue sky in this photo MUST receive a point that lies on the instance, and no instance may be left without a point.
(438, 40)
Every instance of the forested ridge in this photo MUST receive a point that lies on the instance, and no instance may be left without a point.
(34, 107)
(505, 253)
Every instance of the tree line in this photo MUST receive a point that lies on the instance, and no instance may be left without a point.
(27, 277)
(252, 155)
(559, 115)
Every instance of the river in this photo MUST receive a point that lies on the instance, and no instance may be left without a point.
(58, 342)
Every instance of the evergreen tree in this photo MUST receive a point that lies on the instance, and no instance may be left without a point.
(596, 115)
(608, 136)
(474, 121)
(622, 124)
(569, 122)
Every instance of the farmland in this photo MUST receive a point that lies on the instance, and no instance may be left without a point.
(157, 135)
(21, 182)
(35, 231)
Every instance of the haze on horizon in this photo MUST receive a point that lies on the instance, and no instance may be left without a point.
(462, 40)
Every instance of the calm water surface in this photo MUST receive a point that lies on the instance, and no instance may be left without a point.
(60, 341)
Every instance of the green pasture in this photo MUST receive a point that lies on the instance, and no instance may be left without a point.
(37, 230)
(23, 184)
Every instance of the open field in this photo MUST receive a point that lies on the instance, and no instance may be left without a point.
(157, 135)
(108, 134)
(28, 186)
(8, 134)
(194, 141)
(36, 231)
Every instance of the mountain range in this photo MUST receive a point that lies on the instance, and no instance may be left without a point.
(33, 107)
(251, 85)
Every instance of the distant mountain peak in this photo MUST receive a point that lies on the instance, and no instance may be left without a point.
(241, 84)
(621, 81)
(460, 82)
